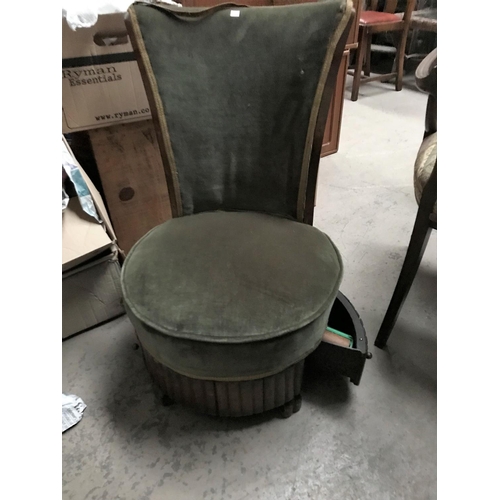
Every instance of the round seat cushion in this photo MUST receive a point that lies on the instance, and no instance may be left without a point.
(424, 164)
(231, 295)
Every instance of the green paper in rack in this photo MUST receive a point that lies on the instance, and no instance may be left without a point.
(341, 334)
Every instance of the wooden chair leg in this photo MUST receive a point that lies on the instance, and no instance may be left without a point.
(416, 248)
(400, 61)
(368, 53)
(360, 56)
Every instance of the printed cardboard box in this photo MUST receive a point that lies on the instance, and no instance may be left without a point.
(101, 82)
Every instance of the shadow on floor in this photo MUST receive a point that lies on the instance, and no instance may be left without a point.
(325, 389)
(410, 352)
(131, 385)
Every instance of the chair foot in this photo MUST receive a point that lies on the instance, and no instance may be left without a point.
(297, 403)
(286, 411)
(166, 401)
(291, 407)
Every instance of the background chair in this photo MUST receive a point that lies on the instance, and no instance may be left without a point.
(230, 296)
(425, 182)
(423, 27)
(372, 22)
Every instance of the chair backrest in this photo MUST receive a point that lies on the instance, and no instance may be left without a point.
(239, 96)
(384, 5)
(391, 6)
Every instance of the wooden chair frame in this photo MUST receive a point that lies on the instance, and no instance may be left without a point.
(426, 220)
(363, 52)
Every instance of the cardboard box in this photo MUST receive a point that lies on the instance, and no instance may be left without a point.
(133, 179)
(91, 292)
(101, 82)
(83, 237)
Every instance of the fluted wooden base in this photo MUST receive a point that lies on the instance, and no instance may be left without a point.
(230, 399)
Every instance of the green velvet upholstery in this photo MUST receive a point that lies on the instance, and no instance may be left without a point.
(236, 286)
(237, 98)
(231, 294)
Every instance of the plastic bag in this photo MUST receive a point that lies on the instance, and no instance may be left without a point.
(84, 13)
(82, 191)
(72, 410)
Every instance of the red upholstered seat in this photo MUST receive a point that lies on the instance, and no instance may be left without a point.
(373, 17)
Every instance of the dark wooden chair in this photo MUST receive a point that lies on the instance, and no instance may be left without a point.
(425, 181)
(372, 22)
(422, 19)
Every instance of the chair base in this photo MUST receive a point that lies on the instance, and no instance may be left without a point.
(230, 399)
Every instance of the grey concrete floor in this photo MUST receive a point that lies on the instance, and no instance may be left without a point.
(374, 441)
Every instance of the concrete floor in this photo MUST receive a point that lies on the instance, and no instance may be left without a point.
(375, 441)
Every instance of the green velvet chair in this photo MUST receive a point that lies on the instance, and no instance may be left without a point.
(230, 295)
